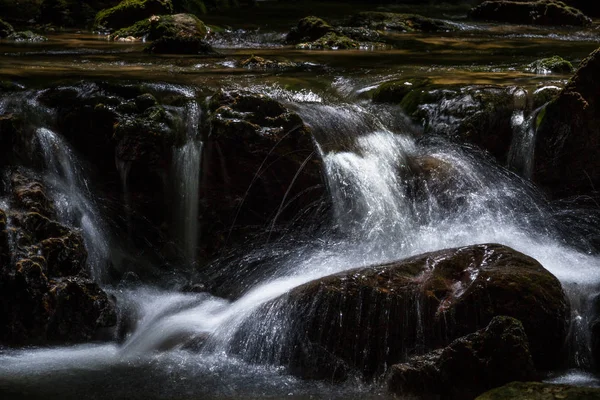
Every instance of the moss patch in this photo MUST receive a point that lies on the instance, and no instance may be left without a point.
(128, 12)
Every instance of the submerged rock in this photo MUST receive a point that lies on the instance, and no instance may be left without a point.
(400, 22)
(468, 366)
(541, 391)
(540, 12)
(256, 62)
(552, 65)
(44, 289)
(566, 160)
(128, 12)
(369, 318)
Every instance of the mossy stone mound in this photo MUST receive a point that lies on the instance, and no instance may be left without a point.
(128, 12)
(541, 12)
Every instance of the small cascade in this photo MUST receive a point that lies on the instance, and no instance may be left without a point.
(74, 204)
(187, 162)
(522, 149)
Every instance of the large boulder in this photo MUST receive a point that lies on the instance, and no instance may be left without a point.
(541, 391)
(539, 12)
(159, 26)
(308, 29)
(468, 366)
(128, 12)
(45, 292)
(366, 319)
(566, 160)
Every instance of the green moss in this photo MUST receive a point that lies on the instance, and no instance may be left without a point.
(400, 22)
(129, 11)
(331, 41)
(551, 65)
(156, 27)
(5, 29)
(308, 29)
(540, 391)
(395, 91)
(540, 118)
(26, 36)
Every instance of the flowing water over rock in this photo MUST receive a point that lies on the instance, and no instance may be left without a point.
(393, 192)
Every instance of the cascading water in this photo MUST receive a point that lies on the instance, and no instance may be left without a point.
(187, 170)
(394, 195)
(520, 156)
(66, 176)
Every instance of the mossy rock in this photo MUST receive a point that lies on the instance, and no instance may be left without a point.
(395, 91)
(156, 27)
(540, 12)
(128, 12)
(6, 29)
(308, 29)
(541, 391)
(26, 36)
(330, 41)
(400, 22)
(369, 318)
(551, 65)
(468, 366)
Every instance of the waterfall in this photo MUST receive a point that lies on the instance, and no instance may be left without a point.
(522, 148)
(187, 171)
(66, 177)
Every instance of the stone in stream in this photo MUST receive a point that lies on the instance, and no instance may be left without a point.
(551, 65)
(567, 160)
(541, 391)
(45, 292)
(476, 114)
(539, 12)
(387, 21)
(470, 365)
(128, 12)
(368, 319)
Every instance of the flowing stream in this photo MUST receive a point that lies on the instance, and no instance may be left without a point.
(393, 193)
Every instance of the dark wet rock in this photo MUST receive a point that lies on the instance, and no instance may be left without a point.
(128, 135)
(360, 34)
(308, 29)
(541, 12)
(330, 41)
(69, 13)
(541, 391)
(26, 36)
(480, 115)
(261, 163)
(156, 27)
(256, 62)
(79, 310)
(13, 141)
(545, 93)
(6, 29)
(399, 22)
(44, 289)
(568, 137)
(179, 45)
(128, 12)
(552, 65)
(470, 365)
(370, 318)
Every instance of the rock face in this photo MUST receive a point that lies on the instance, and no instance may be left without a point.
(480, 115)
(364, 320)
(128, 12)
(568, 135)
(468, 366)
(44, 289)
(261, 164)
(541, 391)
(541, 12)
